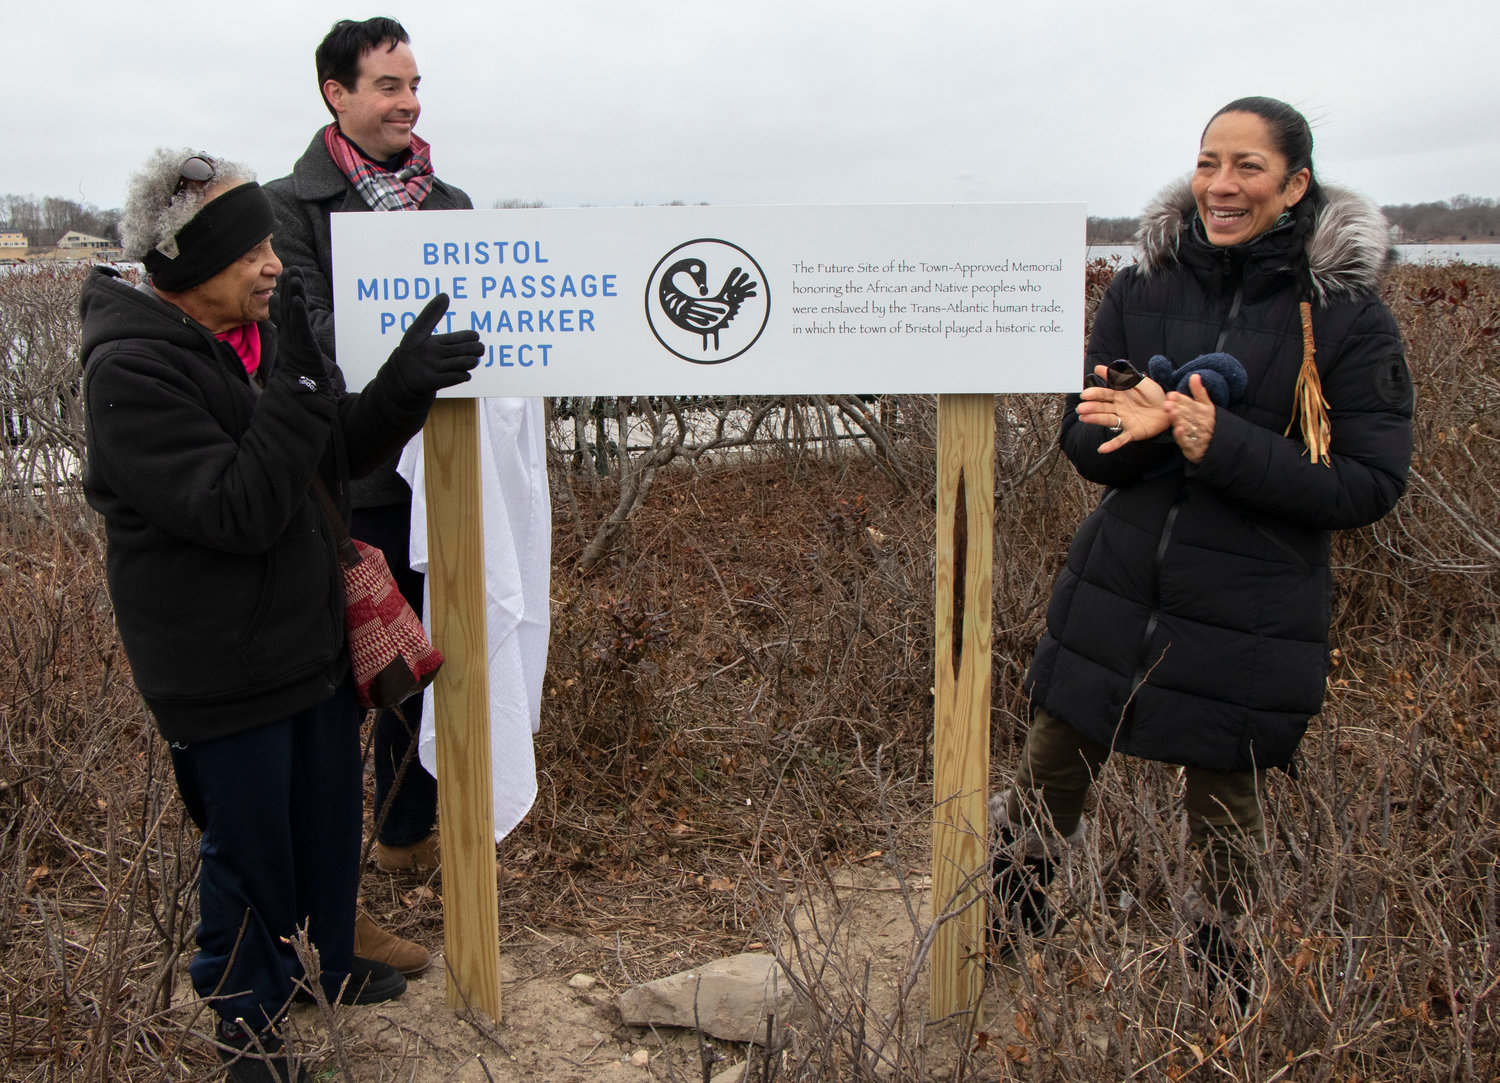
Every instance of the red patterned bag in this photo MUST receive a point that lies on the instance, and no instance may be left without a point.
(387, 643)
(388, 646)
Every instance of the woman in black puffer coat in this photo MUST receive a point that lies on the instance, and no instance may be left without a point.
(1190, 623)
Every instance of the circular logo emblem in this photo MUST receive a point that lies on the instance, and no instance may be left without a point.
(1392, 383)
(707, 301)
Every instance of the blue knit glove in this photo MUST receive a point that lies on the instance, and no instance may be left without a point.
(1223, 377)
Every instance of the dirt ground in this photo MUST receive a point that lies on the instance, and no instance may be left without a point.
(561, 1023)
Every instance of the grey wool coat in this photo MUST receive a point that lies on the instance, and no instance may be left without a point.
(303, 200)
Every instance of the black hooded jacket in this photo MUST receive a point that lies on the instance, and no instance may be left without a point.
(1190, 624)
(221, 567)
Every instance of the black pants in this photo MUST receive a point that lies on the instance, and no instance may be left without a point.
(411, 809)
(279, 808)
(1225, 821)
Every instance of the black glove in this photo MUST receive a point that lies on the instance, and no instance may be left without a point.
(1120, 376)
(299, 357)
(425, 363)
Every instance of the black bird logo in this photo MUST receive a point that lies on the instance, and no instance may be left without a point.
(703, 315)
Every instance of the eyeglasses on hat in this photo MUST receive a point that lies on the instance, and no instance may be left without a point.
(199, 169)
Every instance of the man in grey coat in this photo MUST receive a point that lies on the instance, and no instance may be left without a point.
(369, 158)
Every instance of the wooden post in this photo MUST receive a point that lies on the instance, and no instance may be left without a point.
(455, 576)
(961, 733)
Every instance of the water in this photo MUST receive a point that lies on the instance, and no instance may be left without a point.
(1450, 253)
(1410, 253)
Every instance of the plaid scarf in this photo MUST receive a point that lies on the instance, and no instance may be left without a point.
(381, 189)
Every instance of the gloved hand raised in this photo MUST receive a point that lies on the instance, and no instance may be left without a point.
(425, 363)
(298, 356)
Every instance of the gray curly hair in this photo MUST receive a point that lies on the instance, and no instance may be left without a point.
(153, 214)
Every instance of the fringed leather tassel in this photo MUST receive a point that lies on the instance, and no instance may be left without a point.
(1311, 408)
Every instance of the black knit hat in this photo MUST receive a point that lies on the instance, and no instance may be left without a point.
(222, 231)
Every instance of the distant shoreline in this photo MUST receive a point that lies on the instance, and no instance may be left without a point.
(1416, 253)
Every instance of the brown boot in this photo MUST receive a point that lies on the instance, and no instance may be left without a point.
(421, 856)
(373, 942)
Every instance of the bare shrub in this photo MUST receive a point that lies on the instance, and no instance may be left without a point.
(735, 751)
(625, 441)
(41, 416)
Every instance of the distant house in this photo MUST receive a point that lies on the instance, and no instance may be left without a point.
(13, 245)
(75, 240)
(76, 245)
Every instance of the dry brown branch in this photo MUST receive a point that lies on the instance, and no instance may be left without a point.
(761, 775)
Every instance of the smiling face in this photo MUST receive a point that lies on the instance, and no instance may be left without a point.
(237, 295)
(1241, 184)
(378, 115)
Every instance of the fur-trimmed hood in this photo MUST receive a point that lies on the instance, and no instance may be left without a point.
(1348, 252)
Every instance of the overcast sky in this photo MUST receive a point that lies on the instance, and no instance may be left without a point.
(612, 102)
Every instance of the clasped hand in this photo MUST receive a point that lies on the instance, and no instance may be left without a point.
(424, 363)
(1147, 410)
(421, 365)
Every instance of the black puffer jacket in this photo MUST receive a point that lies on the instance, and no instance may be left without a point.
(221, 566)
(1190, 623)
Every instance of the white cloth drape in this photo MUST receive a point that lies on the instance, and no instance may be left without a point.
(517, 518)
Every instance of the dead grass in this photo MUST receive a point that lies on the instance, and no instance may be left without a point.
(737, 714)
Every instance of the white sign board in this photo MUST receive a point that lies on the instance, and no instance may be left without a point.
(941, 299)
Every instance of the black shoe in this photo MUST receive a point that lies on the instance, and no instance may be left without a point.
(255, 1058)
(1020, 898)
(369, 983)
(1222, 962)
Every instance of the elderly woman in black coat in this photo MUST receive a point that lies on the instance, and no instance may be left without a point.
(208, 425)
(1190, 623)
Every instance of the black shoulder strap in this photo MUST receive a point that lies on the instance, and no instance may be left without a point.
(348, 554)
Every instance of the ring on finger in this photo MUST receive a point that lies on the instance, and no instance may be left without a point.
(1118, 425)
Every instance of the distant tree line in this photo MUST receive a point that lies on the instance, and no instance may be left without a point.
(1462, 218)
(44, 219)
(1112, 230)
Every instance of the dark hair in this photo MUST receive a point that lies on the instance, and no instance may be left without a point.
(1290, 135)
(338, 55)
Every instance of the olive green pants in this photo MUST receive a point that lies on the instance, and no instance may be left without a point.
(1059, 764)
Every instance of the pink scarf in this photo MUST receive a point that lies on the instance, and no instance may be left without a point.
(244, 340)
